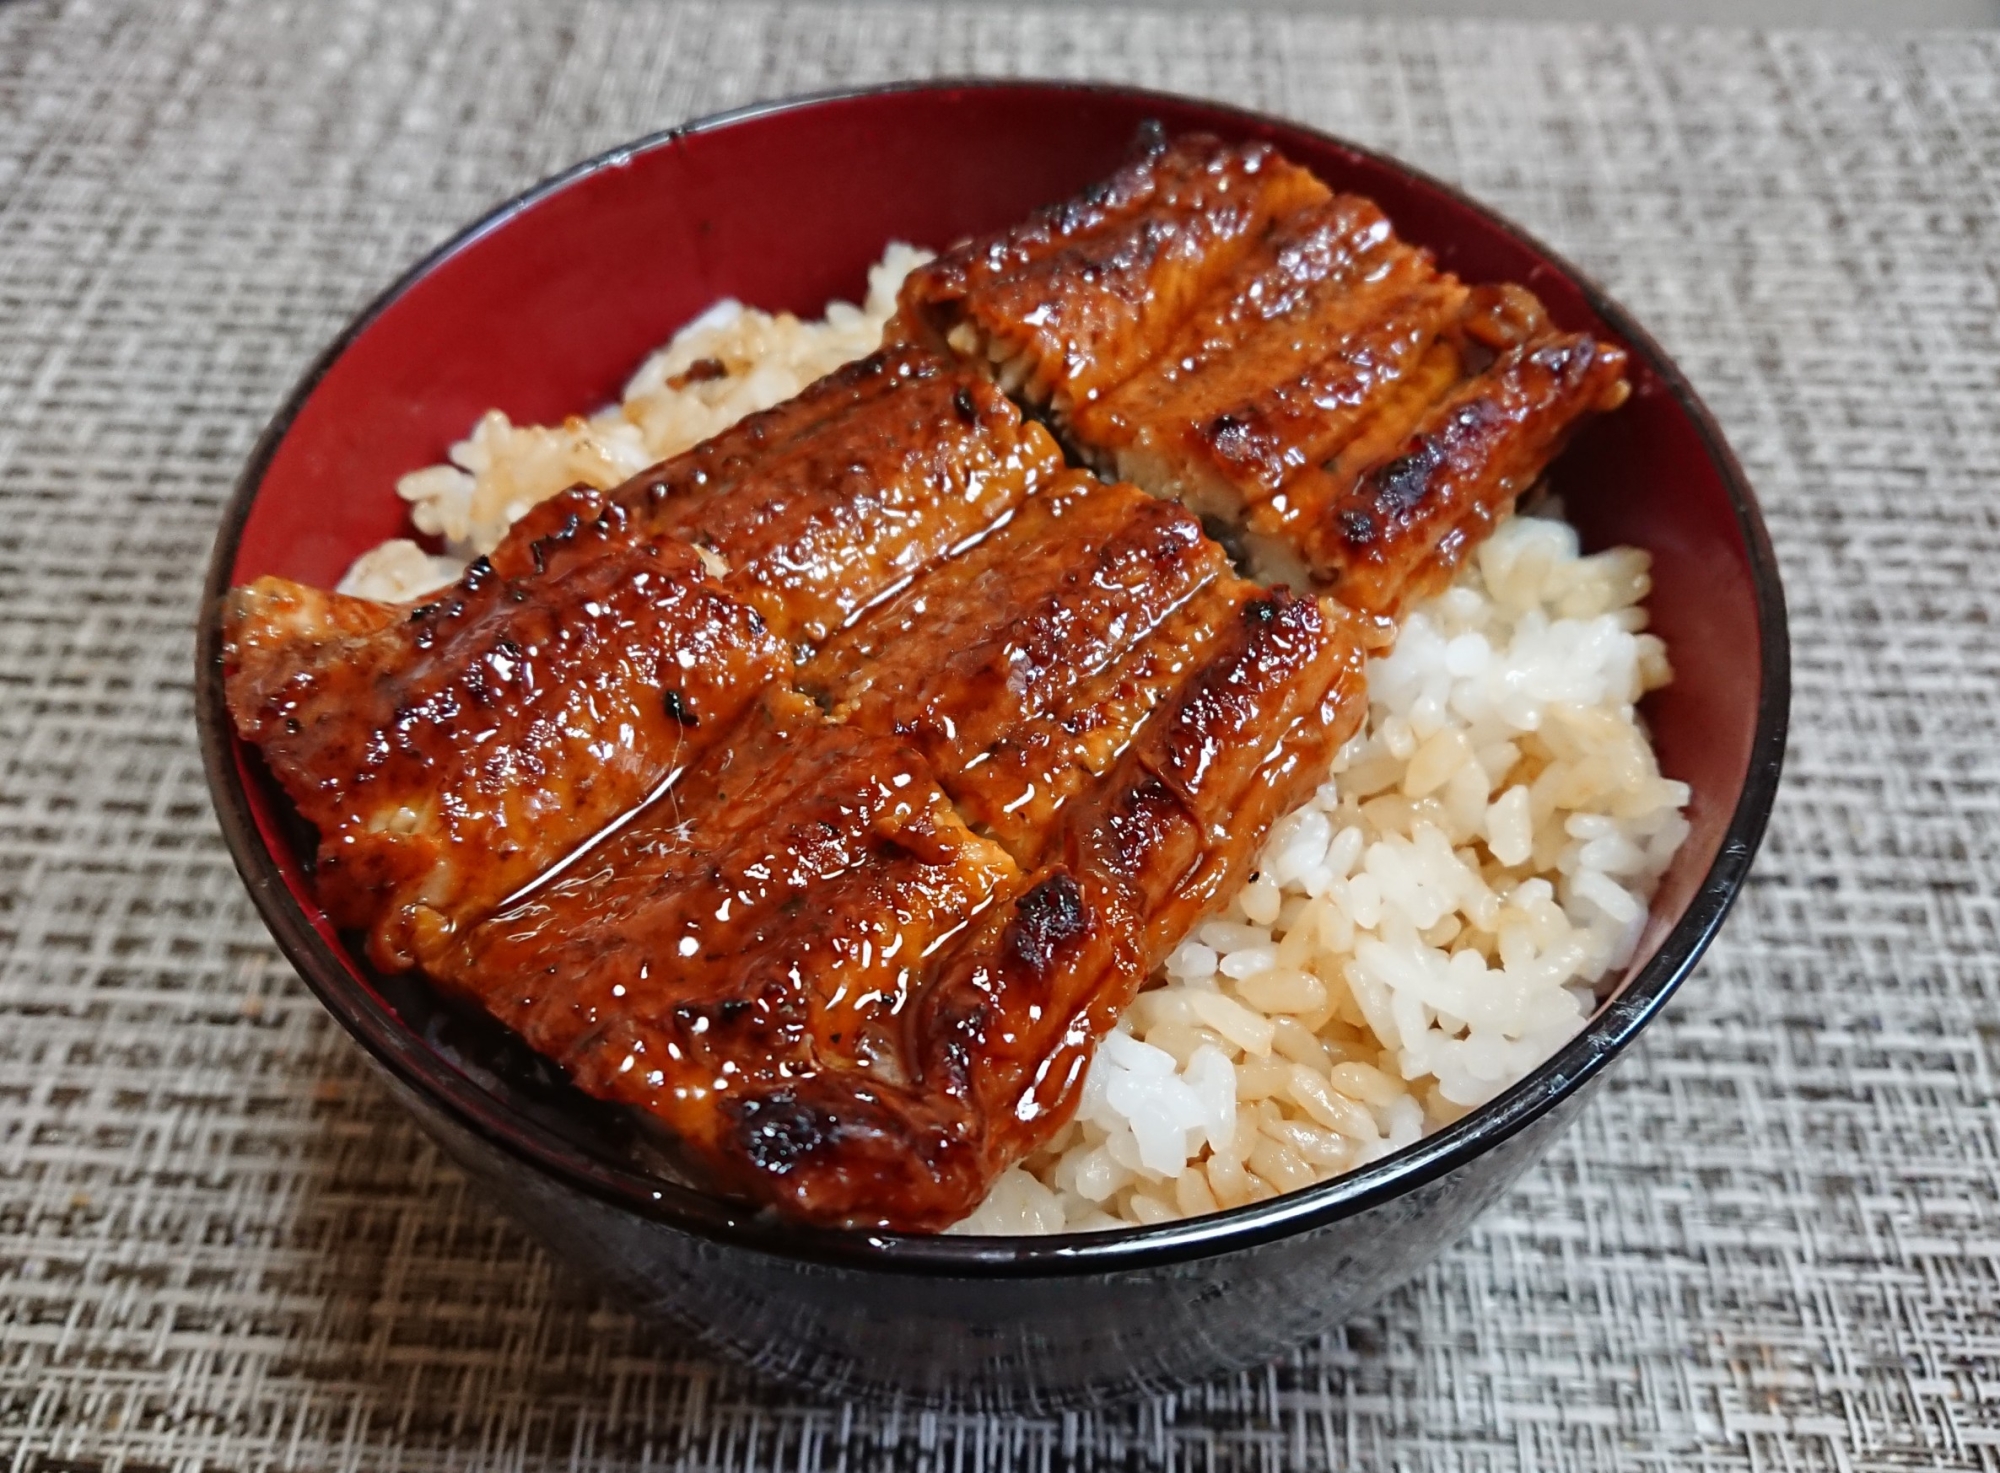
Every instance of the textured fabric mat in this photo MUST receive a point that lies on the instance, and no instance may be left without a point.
(1772, 1243)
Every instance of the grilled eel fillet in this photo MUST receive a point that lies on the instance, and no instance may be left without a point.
(854, 959)
(452, 753)
(1022, 669)
(826, 502)
(1080, 295)
(1215, 325)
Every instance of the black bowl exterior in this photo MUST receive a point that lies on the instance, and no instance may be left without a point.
(979, 1341)
(1020, 1322)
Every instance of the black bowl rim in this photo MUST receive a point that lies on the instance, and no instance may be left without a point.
(408, 1060)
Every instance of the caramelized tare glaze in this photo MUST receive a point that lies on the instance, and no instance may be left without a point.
(1214, 325)
(1072, 300)
(1010, 1021)
(743, 961)
(1022, 669)
(1284, 363)
(1393, 530)
(449, 754)
(826, 792)
(832, 499)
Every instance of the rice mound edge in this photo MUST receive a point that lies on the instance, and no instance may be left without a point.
(1419, 935)
(730, 361)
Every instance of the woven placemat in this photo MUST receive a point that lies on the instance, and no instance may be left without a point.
(1772, 1243)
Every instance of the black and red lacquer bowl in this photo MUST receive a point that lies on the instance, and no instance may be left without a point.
(543, 308)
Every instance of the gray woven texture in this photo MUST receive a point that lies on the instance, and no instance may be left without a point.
(1772, 1243)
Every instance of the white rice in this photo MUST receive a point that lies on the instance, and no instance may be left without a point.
(501, 469)
(1418, 936)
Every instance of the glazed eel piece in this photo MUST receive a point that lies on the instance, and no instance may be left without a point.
(1023, 668)
(1081, 294)
(451, 753)
(840, 1000)
(740, 960)
(1385, 529)
(1290, 357)
(1215, 325)
(1012, 1018)
(829, 501)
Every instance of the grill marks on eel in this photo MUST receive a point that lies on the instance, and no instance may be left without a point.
(1212, 328)
(825, 503)
(740, 960)
(1083, 292)
(1022, 669)
(1398, 530)
(1284, 364)
(452, 753)
(1011, 1020)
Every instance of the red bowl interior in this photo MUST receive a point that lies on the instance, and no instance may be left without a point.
(546, 308)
